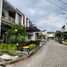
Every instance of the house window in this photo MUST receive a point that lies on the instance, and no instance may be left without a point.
(3, 14)
(12, 14)
(19, 19)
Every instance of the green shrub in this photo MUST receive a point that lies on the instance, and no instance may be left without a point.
(31, 47)
(16, 34)
(31, 44)
(35, 42)
(65, 40)
(3, 46)
(11, 47)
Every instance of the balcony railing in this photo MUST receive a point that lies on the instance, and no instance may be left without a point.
(10, 19)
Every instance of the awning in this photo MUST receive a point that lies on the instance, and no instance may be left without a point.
(32, 29)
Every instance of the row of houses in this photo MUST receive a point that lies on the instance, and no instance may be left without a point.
(10, 14)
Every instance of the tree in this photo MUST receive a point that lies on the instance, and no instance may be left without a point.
(42, 36)
(16, 34)
(59, 35)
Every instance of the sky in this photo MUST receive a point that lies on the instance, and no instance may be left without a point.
(45, 14)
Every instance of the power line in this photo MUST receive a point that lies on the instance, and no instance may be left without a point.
(53, 3)
(63, 2)
(56, 5)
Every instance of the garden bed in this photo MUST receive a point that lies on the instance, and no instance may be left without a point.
(27, 52)
(32, 48)
(14, 56)
(21, 55)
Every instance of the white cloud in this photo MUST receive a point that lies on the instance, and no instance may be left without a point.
(35, 12)
(51, 23)
(45, 14)
(32, 11)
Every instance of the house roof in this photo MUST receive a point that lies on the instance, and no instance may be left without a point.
(63, 26)
(8, 6)
(32, 29)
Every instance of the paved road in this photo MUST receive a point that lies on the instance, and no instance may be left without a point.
(52, 54)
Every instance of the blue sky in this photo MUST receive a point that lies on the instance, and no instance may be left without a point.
(46, 14)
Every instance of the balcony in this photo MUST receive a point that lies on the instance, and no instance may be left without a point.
(10, 19)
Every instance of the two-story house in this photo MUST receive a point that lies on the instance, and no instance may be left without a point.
(9, 14)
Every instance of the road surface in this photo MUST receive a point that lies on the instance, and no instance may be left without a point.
(52, 54)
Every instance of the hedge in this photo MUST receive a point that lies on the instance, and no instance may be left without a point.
(11, 47)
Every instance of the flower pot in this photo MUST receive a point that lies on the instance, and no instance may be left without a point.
(26, 48)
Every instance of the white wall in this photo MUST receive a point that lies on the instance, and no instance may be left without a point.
(33, 38)
(1, 3)
(22, 20)
(50, 35)
(45, 33)
(62, 30)
(28, 23)
(16, 19)
(65, 27)
(25, 21)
